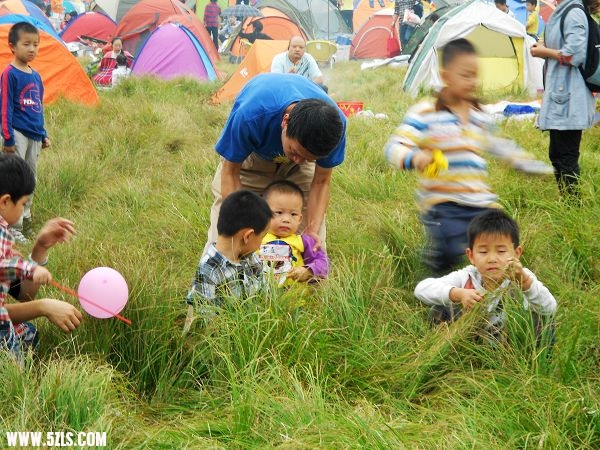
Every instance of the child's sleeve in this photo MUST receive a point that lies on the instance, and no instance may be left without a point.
(16, 268)
(6, 109)
(538, 297)
(407, 137)
(316, 261)
(436, 291)
(515, 156)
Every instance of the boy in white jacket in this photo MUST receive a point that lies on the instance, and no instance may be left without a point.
(494, 251)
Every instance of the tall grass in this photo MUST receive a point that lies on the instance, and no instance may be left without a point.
(350, 364)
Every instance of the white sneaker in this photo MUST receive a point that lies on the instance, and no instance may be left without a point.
(19, 236)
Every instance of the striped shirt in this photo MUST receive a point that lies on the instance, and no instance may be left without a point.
(217, 278)
(212, 11)
(12, 267)
(464, 182)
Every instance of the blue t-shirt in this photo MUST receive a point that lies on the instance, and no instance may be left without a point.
(21, 100)
(254, 124)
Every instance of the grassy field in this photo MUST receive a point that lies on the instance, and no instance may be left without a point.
(351, 365)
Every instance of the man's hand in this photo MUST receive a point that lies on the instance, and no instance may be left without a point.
(10, 149)
(466, 297)
(46, 142)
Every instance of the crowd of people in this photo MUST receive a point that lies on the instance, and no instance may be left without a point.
(278, 149)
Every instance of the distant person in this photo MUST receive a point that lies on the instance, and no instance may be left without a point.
(568, 105)
(230, 268)
(533, 21)
(281, 127)
(493, 249)
(297, 61)
(68, 18)
(445, 141)
(21, 277)
(346, 8)
(22, 107)
(400, 8)
(300, 262)
(257, 33)
(502, 6)
(212, 11)
(121, 71)
(230, 27)
(103, 77)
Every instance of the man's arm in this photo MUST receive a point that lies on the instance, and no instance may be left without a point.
(318, 200)
(230, 178)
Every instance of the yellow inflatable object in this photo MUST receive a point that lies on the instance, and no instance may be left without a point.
(438, 163)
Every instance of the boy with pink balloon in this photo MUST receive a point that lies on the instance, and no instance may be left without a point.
(21, 277)
(231, 267)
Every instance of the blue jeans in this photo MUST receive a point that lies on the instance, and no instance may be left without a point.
(18, 339)
(446, 226)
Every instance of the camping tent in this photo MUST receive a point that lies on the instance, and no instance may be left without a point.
(115, 9)
(363, 10)
(173, 51)
(258, 60)
(192, 23)
(505, 62)
(92, 24)
(370, 41)
(318, 18)
(423, 28)
(25, 8)
(144, 17)
(276, 27)
(61, 73)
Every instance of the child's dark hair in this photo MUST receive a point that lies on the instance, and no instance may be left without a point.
(18, 28)
(500, 2)
(121, 59)
(494, 222)
(532, 2)
(449, 52)
(16, 177)
(316, 125)
(283, 187)
(243, 209)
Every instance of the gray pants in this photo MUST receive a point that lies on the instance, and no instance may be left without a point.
(29, 150)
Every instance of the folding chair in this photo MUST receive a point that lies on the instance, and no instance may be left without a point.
(323, 51)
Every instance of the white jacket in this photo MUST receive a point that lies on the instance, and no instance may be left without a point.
(436, 291)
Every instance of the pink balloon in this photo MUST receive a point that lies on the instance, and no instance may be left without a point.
(106, 288)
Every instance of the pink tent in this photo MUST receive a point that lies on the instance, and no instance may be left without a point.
(173, 51)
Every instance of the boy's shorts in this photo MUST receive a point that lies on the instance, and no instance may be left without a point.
(18, 339)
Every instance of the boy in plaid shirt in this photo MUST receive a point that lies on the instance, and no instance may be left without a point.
(20, 276)
(231, 267)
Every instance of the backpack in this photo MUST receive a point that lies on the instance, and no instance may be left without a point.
(590, 69)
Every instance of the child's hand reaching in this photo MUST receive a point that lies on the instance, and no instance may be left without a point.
(300, 274)
(517, 275)
(466, 297)
(62, 314)
(41, 275)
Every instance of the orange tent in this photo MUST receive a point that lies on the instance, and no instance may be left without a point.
(363, 10)
(144, 17)
(61, 73)
(258, 60)
(276, 27)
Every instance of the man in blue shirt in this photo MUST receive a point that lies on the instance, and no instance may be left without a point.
(281, 127)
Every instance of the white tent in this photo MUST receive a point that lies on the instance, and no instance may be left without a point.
(505, 61)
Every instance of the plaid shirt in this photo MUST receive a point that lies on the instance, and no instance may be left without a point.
(12, 267)
(218, 278)
(400, 6)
